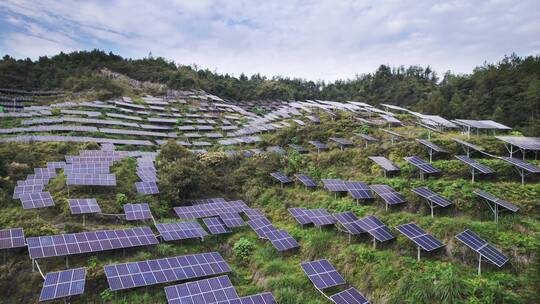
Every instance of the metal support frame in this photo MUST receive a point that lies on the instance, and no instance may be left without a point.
(418, 255)
(430, 152)
(479, 264)
(472, 173)
(494, 209)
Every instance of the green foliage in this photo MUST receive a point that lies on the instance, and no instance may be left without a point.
(242, 249)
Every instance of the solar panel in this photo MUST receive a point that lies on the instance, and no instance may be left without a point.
(181, 231)
(253, 213)
(281, 239)
(491, 198)
(334, 185)
(63, 284)
(216, 225)
(26, 188)
(422, 165)
(282, 178)
(349, 221)
(467, 144)
(376, 228)
(261, 226)
(261, 298)
(298, 148)
(366, 137)
(300, 215)
(12, 238)
(385, 163)
(319, 145)
(208, 210)
(476, 165)
(322, 274)
(83, 205)
(341, 141)
(147, 187)
(306, 180)
(359, 190)
(91, 180)
(432, 196)
(36, 200)
(431, 145)
(158, 271)
(232, 219)
(388, 194)
(276, 149)
(421, 238)
(521, 164)
(349, 296)
(321, 217)
(92, 241)
(208, 291)
(137, 212)
(482, 247)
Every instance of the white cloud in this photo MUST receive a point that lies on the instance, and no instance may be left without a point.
(310, 39)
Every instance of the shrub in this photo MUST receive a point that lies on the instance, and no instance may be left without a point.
(243, 248)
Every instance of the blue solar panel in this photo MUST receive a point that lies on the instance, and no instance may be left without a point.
(306, 180)
(349, 296)
(375, 228)
(150, 272)
(432, 196)
(137, 212)
(476, 165)
(349, 221)
(500, 202)
(83, 205)
(334, 185)
(261, 298)
(261, 226)
(422, 165)
(12, 238)
(208, 291)
(421, 238)
(300, 215)
(359, 190)
(388, 194)
(232, 219)
(282, 178)
(482, 247)
(181, 231)
(216, 225)
(63, 284)
(322, 274)
(281, 239)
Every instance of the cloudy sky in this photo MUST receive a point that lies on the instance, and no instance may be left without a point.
(326, 40)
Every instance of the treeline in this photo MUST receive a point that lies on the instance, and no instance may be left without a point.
(508, 91)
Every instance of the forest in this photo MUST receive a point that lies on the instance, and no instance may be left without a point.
(490, 91)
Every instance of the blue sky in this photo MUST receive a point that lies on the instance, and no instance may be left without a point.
(316, 40)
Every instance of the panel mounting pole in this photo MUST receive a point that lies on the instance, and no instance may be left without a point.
(480, 264)
(418, 247)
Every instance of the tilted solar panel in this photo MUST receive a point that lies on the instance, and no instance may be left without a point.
(322, 274)
(300, 215)
(385, 163)
(319, 145)
(181, 231)
(475, 164)
(320, 217)
(349, 296)
(208, 291)
(93, 241)
(522, 164)
(63, 284)
(421, 238)
(431, 145)
(349, 221)
(158, 271)
(282, 178)
(36, 200)
(216, 225)
(334, 185)
(388, 194)
(432, 196)
(12, 238)
(422, 165)
(253, 213)
(281, 239)
(147, 187)
(486, 250)
(490, 197)
(232, 219)
(358, 190)
(83, 205)
(375, 228)
(261, 226)
(306, 180)
(137, 211)
(261, 298)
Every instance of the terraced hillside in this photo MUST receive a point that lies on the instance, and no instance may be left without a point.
(220, 177)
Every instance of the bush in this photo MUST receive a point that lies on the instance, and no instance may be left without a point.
(242, 249)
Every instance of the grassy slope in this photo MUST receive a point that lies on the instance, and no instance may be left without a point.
(388, 274)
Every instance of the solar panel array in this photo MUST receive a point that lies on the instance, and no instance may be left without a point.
(12, 238)
(36, 200)
(158, 271)
(83, 205)
(306, 180)
(376, 228)
(208, 210)
(349, 296)
(431, 145)
(522, 164)
(92, 241)
(181, 231)
(216, 225)
(432, 196)
(318, 217)
(500, 202)
(208, 291)
(475, 164)
(282, 178)
(422, 165)
(334, 185)
(349, 221)
(322, 274)
(388, 194)
(319, 145)
(358, 190)
(135, 212)
(63, 284)
(486, 250)
(298, 148)
(232, 219)
(385, 163)
(281, 239)
(421, 238)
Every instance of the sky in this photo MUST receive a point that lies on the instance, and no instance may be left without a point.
(315, 40)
